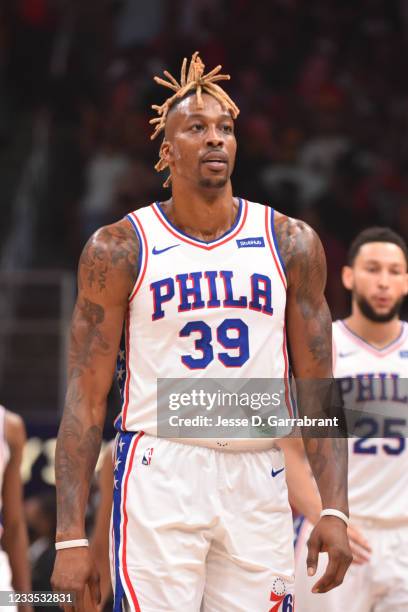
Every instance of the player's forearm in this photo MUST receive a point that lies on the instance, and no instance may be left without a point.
(325, 445)
(77, 451)
(328, 460)
(303, 494)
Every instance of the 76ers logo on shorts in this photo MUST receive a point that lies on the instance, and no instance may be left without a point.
(147, 457)
(281, 601)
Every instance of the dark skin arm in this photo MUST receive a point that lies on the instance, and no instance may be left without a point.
(106, 275)
(309, 332)
(15, 539)
(100, 537)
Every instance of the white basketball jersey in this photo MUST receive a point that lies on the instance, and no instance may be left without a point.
(202, 310)
(375, 380)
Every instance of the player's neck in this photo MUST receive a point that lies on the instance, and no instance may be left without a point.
(376, 334)
(203, 215)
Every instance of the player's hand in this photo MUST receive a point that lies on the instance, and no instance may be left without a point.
(360, 547)
(329, 535)
(73, 570)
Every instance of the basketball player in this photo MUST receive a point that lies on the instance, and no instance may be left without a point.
(206, 285)
(371, 346)
(14, 567)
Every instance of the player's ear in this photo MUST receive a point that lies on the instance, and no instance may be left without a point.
(166, 151)
(347, 276)
(406, 284)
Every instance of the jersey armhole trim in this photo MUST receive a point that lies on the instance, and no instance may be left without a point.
(275, 242)
(272, 245)
(143, 253)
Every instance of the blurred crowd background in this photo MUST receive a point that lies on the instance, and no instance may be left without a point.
(322, 135)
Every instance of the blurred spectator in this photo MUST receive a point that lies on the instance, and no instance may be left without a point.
(138, 22)
(40, 514)
(105, 169)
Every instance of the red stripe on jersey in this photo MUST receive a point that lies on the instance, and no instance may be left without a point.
(393, 346)
(145, 255)
(268, 213)
(125, 522)
(126, 393)
(286, 374)
(206, 247)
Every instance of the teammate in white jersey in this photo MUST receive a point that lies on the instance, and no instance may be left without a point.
(206, 285)
(14, 566)
(371, 359)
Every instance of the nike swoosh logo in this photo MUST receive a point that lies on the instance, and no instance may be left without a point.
(347, 354)
(277, 472)
(158, 251)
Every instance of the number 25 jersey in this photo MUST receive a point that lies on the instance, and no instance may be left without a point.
(374, 385)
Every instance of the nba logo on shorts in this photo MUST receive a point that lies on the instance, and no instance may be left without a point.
(147, 457)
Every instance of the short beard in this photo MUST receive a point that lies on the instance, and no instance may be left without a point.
(208, 183)
(368, 311)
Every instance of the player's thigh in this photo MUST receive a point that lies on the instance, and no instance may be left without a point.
(250, 565)
(161, 524)
(242, 587)
(392, 571)
(353, 595)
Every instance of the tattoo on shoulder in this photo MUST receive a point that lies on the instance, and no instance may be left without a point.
(112, 248)
(305, 263)
(289, 234)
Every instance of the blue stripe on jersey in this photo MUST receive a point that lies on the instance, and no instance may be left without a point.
(275, 241)
(117, 423)
(140, 256)
(122, 450)
(231, 229)
(121, 369)
(297, 526)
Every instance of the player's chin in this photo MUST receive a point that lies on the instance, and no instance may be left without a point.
(213, 182)
(383, 315)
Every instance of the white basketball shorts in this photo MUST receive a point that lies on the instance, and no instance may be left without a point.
(380, 585)
(193, 526)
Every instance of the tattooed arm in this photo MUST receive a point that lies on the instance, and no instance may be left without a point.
(309, 333)
(106, 275)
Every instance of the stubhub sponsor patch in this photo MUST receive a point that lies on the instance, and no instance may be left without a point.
(244, 243)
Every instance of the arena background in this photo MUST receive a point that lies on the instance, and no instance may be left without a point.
(322, 135)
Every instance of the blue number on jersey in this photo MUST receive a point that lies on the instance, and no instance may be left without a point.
(391, 430)
(204, 345)
(241, 342)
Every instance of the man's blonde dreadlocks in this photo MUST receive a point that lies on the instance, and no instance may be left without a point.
(194, 79)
